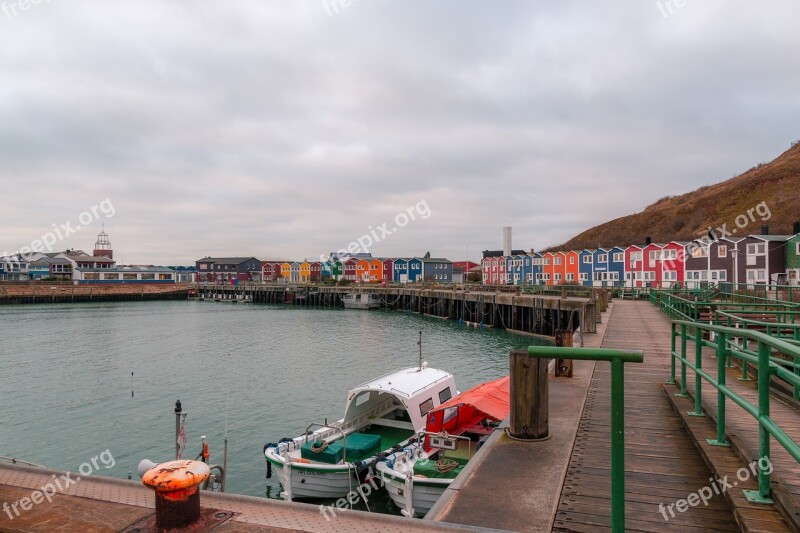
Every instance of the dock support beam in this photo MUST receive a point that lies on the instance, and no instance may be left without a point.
(529, 396)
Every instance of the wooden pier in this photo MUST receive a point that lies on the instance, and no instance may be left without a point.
(525, 313)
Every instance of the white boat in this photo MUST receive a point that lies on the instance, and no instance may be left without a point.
(381, 416)
(418, 474)
(361, 300)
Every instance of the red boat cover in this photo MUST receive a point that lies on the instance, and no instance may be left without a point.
(487, 401)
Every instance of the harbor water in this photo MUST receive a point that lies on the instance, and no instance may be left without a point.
(67, 374)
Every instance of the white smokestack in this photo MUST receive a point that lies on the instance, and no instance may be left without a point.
(506, 240)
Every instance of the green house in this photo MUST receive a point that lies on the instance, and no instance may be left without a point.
(793, 260)
(337, 271)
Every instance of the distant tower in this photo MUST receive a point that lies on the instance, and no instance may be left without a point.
(102, 248)
(506, 240)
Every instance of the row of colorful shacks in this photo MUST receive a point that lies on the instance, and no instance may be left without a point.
(364, 270)
(756, 259)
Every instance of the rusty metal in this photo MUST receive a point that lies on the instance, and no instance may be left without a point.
(177, 488)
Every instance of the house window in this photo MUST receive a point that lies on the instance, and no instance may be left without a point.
(558, 261)
(722, 251)
(572, 260)
(587, 260)
(649, 276)
(570, 277)
(636, 256)
(756, 249)
(602, 258)
(655, 255)
(584, 276)
(557, 277)
(619, 257)
(797, 248)
(670, 254)
(546, 260)
(699, 251)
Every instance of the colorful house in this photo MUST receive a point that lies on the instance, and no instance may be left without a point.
(673, 264)
(437, 269)
(400, 270)
(294, 272)
(305, 272)
(414, 270)
(761, 258)
(585, 264)
(337, 270)
(793, 258)
(210, 269)
(286, 271)
(572, 262)
(388, 269)
(270, 271)
(350, 269)
(548, 259)
(514, 270)
(634, 266)
(559, 268)
(315, 272)
(376, 270)
(362, 270)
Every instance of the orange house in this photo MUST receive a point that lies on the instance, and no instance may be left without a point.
(305, 272)
(362, 270)
(572, 262)
(376, 270)
(559, 268)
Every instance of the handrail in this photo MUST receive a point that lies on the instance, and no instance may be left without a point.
(766, 368)
(617, 358)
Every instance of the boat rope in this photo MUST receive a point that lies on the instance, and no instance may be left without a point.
(444, 466)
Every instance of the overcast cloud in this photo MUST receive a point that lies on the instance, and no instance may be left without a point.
(289, 128)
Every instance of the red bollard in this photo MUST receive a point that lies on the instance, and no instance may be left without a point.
(177, 488)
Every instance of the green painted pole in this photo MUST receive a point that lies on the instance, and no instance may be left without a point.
(721, 440)
(617, 446)
(764, 351)
(698, 382)
(683, 393)
(671, 380)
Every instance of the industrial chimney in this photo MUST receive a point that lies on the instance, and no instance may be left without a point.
(764, 230)
(506, 240)
(796, 228)
(648, 241)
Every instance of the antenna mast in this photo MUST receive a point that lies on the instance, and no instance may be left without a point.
(419, 343)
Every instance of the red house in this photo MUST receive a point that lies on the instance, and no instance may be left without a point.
(673, 264)
(270, 270)
(316, 271)
(388, 269)
(634, 266)
(350, 269)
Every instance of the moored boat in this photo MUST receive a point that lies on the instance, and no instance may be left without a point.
(361, 300)
(418, 474)
(381, 416)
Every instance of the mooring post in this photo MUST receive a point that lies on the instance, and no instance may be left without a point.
(529, 396)
(563, 340)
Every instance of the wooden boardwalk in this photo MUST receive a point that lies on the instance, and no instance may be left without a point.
(662, 464)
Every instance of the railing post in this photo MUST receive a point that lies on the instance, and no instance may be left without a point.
(683, 393)
(764, 492)
(671, 380)
(617, 445)
(698, 382)
(722, 350)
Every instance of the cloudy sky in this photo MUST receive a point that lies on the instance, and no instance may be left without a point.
(289, 129)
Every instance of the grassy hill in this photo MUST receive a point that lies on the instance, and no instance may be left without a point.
(688, 216)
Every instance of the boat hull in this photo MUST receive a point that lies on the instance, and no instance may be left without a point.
(424, 492)
(308, 482)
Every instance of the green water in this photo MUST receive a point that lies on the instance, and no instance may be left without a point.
(65, 376)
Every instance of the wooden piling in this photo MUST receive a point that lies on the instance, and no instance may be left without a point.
(529, 396)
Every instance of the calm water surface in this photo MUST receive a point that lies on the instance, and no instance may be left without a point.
(65, 376)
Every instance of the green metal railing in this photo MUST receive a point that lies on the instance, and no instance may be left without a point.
(617, 358)
(767, 366)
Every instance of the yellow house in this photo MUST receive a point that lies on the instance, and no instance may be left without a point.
(305, 272)
(286, 270)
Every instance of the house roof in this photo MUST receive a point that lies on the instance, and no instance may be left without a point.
(434, 260)
(773, 238)
(227, 260)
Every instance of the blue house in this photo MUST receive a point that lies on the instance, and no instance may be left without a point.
(415, 270)
(586, 267)
(514, 270)
(527, 269)
(400, 272)
(609, 267)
